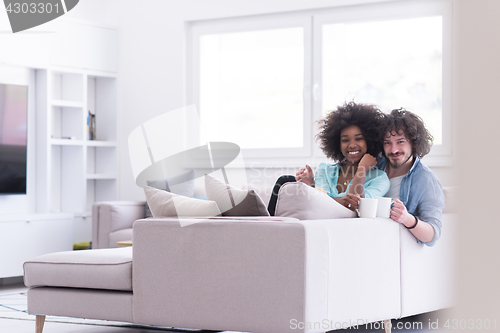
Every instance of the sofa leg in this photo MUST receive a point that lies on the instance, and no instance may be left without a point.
(40, 320)
(386, 327)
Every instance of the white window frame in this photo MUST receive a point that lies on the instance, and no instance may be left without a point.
(312, 21)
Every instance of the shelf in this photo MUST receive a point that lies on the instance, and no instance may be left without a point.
(101, 74)
(91, 176)
(66, 142)
(97, 143)
(34, 217)
(66, 104)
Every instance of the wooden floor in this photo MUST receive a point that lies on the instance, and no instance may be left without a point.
(28, 326)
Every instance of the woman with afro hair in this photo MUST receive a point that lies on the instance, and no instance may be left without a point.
(350, 135)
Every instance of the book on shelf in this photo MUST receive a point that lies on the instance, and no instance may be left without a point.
(91, 132)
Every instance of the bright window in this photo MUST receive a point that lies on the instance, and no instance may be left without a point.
(391, 63)
(251, 88)
(261, 82)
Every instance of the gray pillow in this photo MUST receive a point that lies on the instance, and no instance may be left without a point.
(304, 202)
(182, 185)
(233, 201)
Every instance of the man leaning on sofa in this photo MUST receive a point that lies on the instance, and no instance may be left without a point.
(417, 192)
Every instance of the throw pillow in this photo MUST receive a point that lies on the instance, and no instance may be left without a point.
(233, 201)
(304, 202)
(164, 203)
(182, 185)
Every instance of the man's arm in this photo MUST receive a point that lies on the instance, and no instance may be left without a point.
(378, 185)
(422, 230)
(429, 211)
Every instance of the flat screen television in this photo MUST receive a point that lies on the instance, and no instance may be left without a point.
(13, 138)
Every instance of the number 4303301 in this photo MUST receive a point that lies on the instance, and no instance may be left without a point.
(32, 8)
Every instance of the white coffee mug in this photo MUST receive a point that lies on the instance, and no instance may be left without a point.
(368, 208)
(384, 207)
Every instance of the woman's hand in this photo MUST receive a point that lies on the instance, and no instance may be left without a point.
(357, 186)
(367, 162)
(349, 201)
(305, 175)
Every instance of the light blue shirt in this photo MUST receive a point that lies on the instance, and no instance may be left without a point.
(327, 176)
(422, 194)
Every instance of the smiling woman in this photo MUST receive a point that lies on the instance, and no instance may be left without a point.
(350, 135)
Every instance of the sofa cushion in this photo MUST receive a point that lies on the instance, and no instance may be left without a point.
(307, 203)
(95, 269)
(450, 199)
(233, 201)
(182, 185)
(164, 203)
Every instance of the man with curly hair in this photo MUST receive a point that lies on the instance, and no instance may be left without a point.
(418, 199)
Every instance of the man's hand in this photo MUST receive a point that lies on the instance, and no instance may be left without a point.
(423, 231)
(349, 201)
(305, 175)
(367, 162)
(400, 214)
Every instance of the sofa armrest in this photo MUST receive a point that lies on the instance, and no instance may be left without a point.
(265, 275)
(111, 216)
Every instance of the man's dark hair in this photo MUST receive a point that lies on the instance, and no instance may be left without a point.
(413, 128)
(367, 117)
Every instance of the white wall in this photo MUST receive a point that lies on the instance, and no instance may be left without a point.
(91, 10)
(476, 104)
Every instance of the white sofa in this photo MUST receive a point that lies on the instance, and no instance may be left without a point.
(255, 274)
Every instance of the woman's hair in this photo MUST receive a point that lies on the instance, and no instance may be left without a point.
(413, 128)
(367, 117)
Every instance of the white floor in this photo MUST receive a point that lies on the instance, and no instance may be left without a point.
(28, 326)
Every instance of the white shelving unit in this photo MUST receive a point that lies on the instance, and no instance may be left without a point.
(68, 71)
(76, 171)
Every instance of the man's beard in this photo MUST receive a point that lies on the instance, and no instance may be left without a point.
(397, 164)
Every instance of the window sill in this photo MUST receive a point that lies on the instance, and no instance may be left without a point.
(297, 162)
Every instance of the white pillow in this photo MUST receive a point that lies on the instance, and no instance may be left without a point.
(233, 201)
(304, 202)
(182, 184)
(163, 203)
